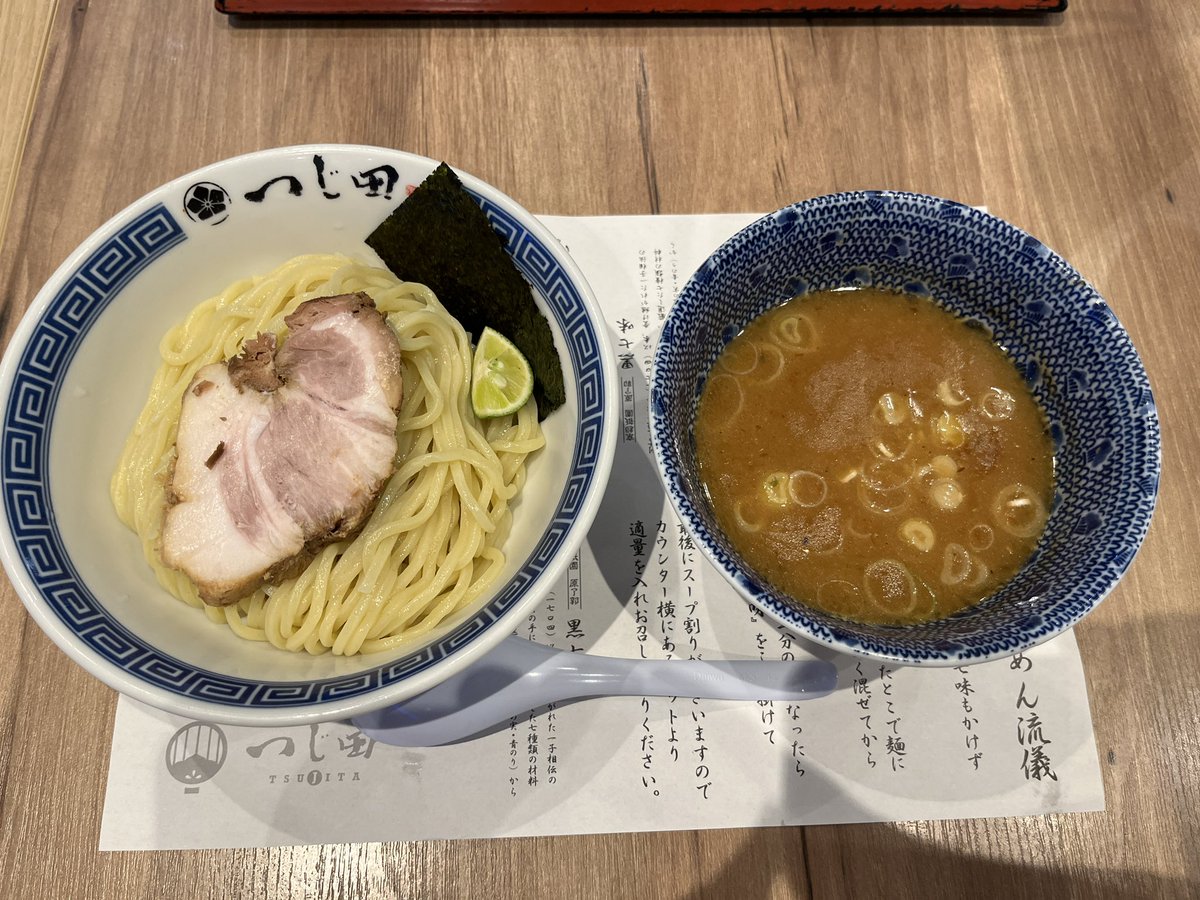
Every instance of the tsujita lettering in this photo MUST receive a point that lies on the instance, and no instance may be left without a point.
(295, 188)
(313, 777)
(377, 181)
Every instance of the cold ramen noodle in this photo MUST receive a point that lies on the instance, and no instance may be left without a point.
(870, 454)
(429, 546)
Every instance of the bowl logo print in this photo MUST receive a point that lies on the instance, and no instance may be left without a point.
(206, 202)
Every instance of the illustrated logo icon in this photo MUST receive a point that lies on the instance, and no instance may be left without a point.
(195, 754)
(206, 202)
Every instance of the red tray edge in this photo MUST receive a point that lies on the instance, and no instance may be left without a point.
(626, 7)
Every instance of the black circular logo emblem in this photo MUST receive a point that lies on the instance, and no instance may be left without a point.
(206, 202)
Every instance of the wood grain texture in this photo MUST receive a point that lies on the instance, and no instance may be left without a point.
(1082, 129)
(24, 29)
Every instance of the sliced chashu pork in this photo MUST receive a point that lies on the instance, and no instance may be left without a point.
(281, 453)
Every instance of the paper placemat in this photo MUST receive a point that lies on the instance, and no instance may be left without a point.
(1012, 737)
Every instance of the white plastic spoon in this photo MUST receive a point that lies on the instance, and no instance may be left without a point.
(520, 675)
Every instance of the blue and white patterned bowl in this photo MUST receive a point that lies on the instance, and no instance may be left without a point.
(77, 372)
(1074, 354)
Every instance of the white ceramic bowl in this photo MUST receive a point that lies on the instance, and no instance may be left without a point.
(77, 373)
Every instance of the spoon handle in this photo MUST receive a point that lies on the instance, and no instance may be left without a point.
(518, 676)
(715, 680)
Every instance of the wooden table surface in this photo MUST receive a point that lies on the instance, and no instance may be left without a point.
(1082, 128)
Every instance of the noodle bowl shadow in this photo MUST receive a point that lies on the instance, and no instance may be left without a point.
(1074, 355)
(77, 372)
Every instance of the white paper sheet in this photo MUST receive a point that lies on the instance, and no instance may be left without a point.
(1012, 737)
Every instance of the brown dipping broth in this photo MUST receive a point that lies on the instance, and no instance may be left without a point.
(870, 454)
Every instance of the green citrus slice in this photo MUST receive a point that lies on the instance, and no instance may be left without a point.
(501, 379)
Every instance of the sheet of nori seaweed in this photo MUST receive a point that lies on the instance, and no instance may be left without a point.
(440, 237)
